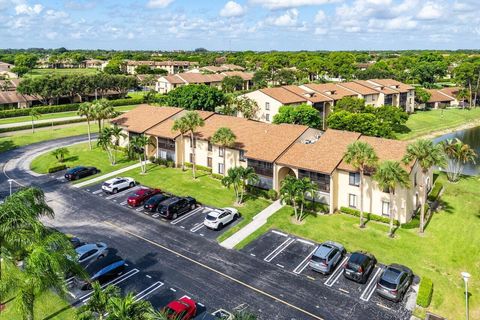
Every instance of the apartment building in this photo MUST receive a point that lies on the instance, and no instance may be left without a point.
(217, 69)
(172, 67)
(275, 151)
(439, 98)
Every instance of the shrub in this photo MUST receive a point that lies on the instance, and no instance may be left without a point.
(272, 194)
(57, 168)
(42, 125)
(199, 167)
(425, 292)
(257, 192)
(126, 102)
(151, 159)
(437, 188)
(161, 162)
(170, 164)
(369, 216)
(217, 176)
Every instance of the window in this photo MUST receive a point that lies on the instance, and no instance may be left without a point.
(221, 168)
(385, 208)
(242, 156)
(209, 162)
(267, 117)
(352, 201)
(267, 106)
(322, 180)
(209, 146)
(194, 142)
(261, 167)
(221, 152)
(191, 157)
(354, 179)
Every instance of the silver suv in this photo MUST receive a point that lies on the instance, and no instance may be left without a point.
(326, 257)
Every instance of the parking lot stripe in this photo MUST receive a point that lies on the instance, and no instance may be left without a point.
(335, 274)
(123, 203)
(139, 209)
(252, 254)
(367, 293)
(173, 290)
(257, 290)
(115, 281)
(197, 227)
(279, 233)
(121, 193)
(142, 294)
(343, 290)
(279, 249)
(201, 304)
(306, 242)
(96, 191)
(299, 269)
(383, 306)
(188, 215)
(279, 265)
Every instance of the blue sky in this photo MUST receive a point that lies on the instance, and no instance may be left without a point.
(241, 24)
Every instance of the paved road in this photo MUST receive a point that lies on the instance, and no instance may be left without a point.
(219, 277)
(29, 123)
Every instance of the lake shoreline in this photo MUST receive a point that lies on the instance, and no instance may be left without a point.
(435, 134)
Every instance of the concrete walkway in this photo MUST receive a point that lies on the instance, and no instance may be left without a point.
(29, 123)
(108, 175)
(257, 221)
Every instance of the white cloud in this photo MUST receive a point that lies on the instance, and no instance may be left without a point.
(321, 31)
(158, 3)
(288, 19)
(232, 9)
(320, 16)
(51, 35)
(284, 4)
(28, 10)
(430, 11)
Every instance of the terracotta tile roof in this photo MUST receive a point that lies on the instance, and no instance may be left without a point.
(322, 156)
(233, 67)
(309, 95)
(376, 86)
(451, 91)
(386, 149)
(8, 97)
(144, 117)
(260, 141)
(283, 95)
(331, 90)
(173, 79)
(438, 96)
(244, 75)
(164, 129)
(357, 87)
(394, 84)
(200, 78)
(223, 67)
(159, 63)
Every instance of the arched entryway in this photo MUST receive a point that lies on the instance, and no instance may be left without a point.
(282, 173)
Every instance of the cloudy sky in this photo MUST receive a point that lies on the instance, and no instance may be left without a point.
(241, 24)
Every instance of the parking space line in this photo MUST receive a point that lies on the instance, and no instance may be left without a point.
(121, 193)
(197, 227)
(367, 293)
(139, 209)
(343, 290)
(201, 304)
(306, 242)
(299, 269)
(279, 249)
(188, 215)
(335, 274)
(279, 233)
(383, 306)
(173, 290)
(115, 281)
(279, 265)
(142, 294)
(96, 191)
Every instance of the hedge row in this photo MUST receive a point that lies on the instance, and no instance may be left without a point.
(42, 125)
(57, 168)
(199, 167)
(425, 292)
(437, 188)
(368, 215)
(62, 108)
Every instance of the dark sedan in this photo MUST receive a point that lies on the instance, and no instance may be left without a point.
(80, 172)
(102, 270)
(152, 203)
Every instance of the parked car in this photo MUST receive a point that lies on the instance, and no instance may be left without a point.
(181, 309)
(90, 252)
(394, 282)
(152, 203)
(326, 257)
(75, 241)
(80, 172)
(218, 218)
(141, 195)
(101, 271)
(176, 206)
(359, 266)
(117, 184)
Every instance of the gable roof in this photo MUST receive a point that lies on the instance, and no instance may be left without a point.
(308, 95)
(283, 95)
(331, 90)
(244, 75)
(376, 86)
(393, 84)
(144, 117)
(451, 91)
(357, 87)
(438, 96)
(164, 128)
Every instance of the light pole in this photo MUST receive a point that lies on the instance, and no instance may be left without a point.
(466, 276)
(10, 181)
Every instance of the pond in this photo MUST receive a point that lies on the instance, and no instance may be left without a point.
(471, 137)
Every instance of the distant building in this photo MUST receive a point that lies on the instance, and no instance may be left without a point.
(172, 67)
(217, 69)
(446, 97)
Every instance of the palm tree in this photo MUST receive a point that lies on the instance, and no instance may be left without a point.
(116, 133)
(102, 110)
(180, 125)
(234, 178)
(128, 308)
(244, 315)
(138, 143)
(86, 110)
(362, 157)
(34, 114)
(225, 138)
(458, 154)
(104, 141)
(294, 192)
(97, 305)
(247, 176)
(426, 154)
(60, 153)
(191, 121)
(389, 176)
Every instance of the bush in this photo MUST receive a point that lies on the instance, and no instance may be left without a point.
(151, 159)
(170, 164)
(217, 176)
(272, 194)
(257, 192)
(368, 215)
(126, 102)
(437, 188)
(199, 167)
(57, 168)
(425, 292)
(42, 125)
(161, 162)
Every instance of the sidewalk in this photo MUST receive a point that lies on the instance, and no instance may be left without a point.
(257, 221)
(108, 175)
(29, 123)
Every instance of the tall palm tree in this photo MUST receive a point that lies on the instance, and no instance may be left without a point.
(362, 157)
(458, 154)
(116, 133)
(294, 192)
(426, 154)
(138, 143)
(128, 308)
(86, 110)
(104, 141)
(389, 176)
(102, 110)
(225, 138)
(234, 178)
(191, 121)
(180, 125)
(34, 115)
(247, 176)
(60, 153)
(97, 306)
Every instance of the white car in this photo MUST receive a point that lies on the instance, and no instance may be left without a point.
(116, 184)
(218, 218)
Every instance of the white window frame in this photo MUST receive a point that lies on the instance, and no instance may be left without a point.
(267, 117)
(221, 152)
(387, 204)
(221, 169)
(267, 106)
(353, 197)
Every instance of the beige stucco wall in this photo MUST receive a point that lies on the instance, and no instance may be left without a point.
(411, 101)
(124, 140)
(261, 99)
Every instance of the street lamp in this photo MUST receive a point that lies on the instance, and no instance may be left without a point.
(466, 276)
(10, 181)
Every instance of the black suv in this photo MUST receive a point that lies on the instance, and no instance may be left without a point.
(394, 282)
(152, 203)
(174, 207)
(80, 172)
(359, 266)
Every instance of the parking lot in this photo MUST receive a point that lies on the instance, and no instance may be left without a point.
(191, 221)
(292, 254)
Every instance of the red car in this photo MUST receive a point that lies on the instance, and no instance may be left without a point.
(181, 309)
(141, 195)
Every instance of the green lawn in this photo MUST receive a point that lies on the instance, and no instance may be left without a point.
(42, 72)
(205, 189)
(425, 122)
(47, 306)
(449, 246)
(80, 154)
